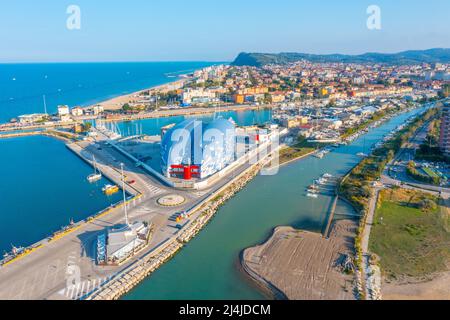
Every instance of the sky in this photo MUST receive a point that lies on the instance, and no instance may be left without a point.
(214, 30)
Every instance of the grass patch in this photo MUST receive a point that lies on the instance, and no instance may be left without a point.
(292, 153)
(430, 173)
(301, 148)
(409, 234)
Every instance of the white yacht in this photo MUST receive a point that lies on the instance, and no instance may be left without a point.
(94, 177)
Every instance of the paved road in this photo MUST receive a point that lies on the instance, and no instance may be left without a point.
(44, 274)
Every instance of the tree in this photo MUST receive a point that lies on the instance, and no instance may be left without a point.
(85, 127)
(427, 205)
(126, 107)
(445, 91)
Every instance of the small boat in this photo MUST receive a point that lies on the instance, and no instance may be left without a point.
(327, 176)
(110, 189)
(94, 177)
(319, 155)
(321, 181)
(362, 155)
(17, 250)
(312, 195)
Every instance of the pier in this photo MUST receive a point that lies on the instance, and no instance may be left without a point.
(74, 243)
(61, 135)
(203, 213)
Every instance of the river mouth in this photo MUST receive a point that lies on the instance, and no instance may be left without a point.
(206, 269)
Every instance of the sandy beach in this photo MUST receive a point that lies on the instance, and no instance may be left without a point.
(300, 265)
(117, 102)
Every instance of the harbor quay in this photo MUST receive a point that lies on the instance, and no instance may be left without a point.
(64, 267)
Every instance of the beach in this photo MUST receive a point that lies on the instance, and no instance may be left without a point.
(300, 265)
(116, 103)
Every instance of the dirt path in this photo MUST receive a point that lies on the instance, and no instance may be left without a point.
(436, 289)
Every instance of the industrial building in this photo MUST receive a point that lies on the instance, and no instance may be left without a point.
(194, 149)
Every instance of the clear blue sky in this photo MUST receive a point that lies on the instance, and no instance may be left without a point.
(214, 30)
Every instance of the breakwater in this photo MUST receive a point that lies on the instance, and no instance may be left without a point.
(136, 273)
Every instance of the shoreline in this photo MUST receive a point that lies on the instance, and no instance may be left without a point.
(126, 280)
(259, 262)
(261, 284)
(111, 103)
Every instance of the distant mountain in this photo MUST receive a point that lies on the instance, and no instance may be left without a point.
(406, 57)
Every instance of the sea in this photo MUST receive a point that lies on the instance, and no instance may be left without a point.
(43, 185)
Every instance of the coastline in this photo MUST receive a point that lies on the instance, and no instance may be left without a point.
(271, 267)
(117, 102)
(262, 284)
(123, 282)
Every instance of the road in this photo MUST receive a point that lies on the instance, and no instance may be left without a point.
(47, 272)
(393, 175)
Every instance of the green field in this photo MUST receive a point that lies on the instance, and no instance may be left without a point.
(410, 241)
(430, 172)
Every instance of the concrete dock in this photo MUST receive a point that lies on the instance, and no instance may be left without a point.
(64, 268)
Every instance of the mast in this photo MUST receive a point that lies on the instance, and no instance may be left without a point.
(45, 104)
(124, 198)
(95, 165)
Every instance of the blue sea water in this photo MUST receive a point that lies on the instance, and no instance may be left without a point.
(43, 185)
(22, 86)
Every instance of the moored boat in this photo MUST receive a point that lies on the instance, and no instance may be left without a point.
(110, 189)
(96, 176)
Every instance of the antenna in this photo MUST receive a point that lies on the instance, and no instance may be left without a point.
(45, 104)
(124, 199)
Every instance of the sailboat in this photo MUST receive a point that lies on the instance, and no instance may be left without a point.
(94, 177)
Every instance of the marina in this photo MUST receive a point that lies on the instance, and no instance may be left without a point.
(259, 201)
(325, 181)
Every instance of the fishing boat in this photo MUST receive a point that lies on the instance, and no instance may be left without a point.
(94, 177)
(110, 189)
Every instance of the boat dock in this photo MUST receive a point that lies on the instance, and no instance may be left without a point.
(204, 212)
(61, 135)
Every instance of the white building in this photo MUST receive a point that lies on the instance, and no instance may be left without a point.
(65, 118)
(32, 118)
(125, 241)
(198, 95)
(63, 110)
(77, 112)
(97, 110)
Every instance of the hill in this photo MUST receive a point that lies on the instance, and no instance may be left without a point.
(406, 57)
